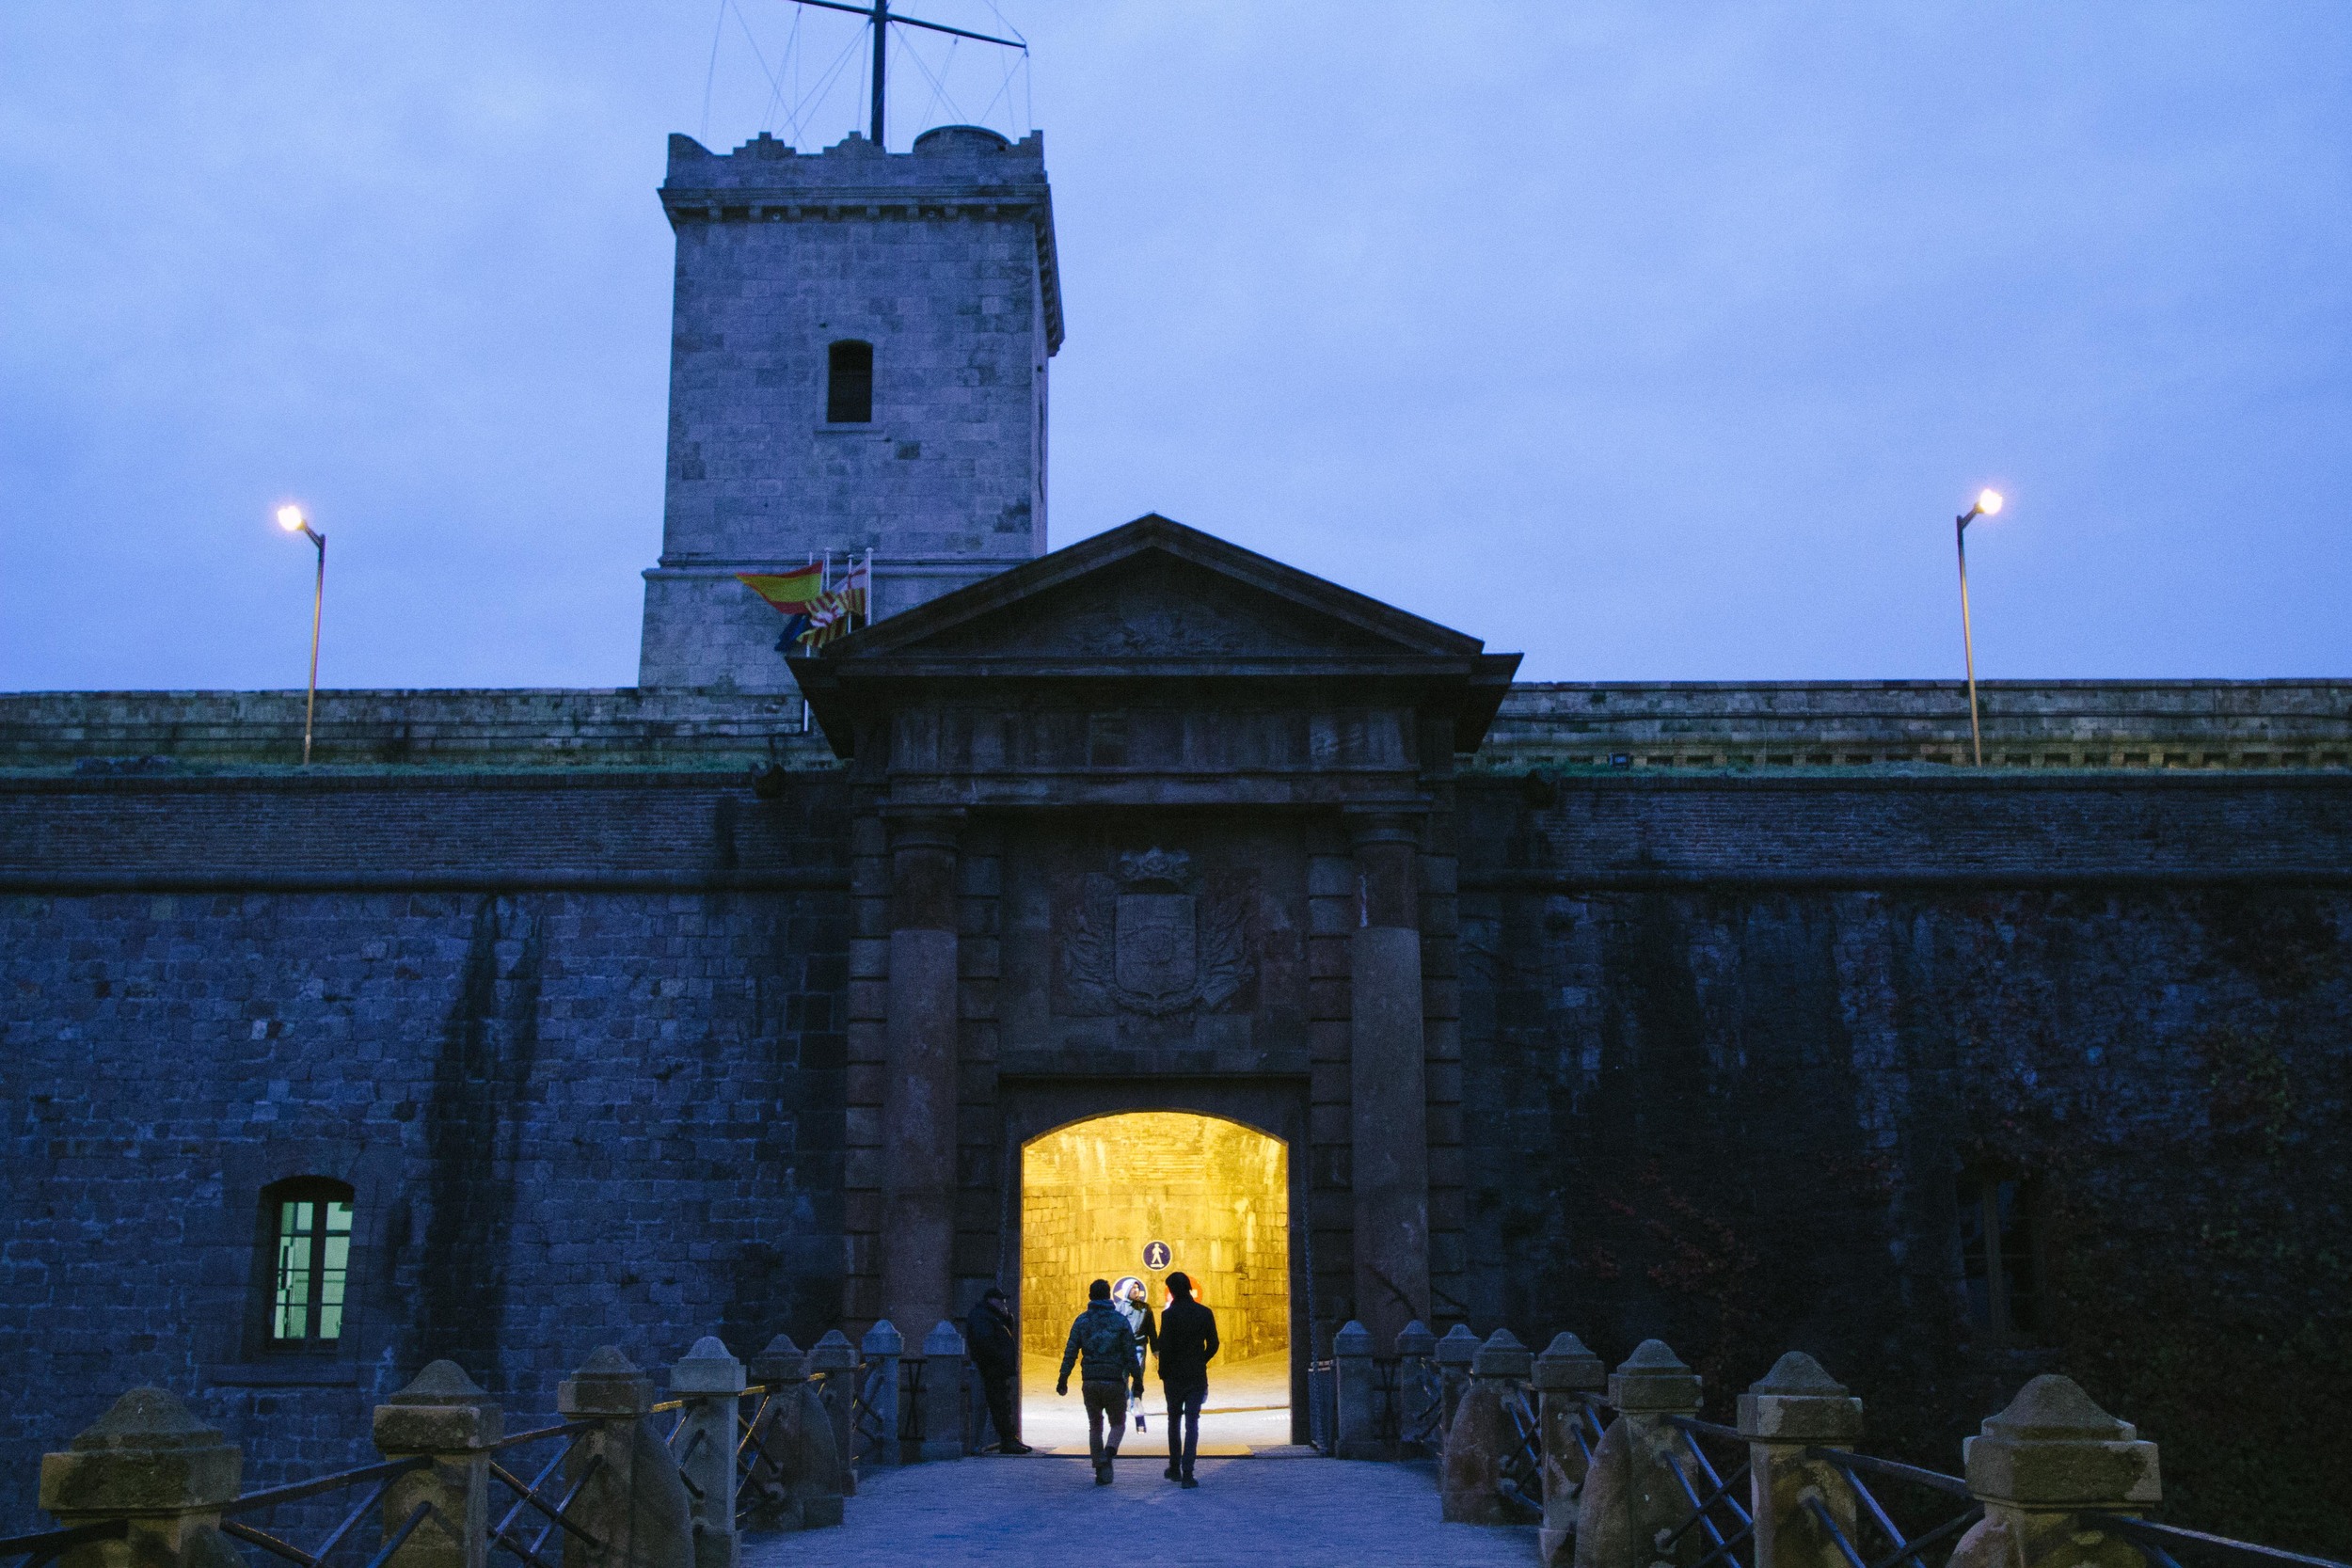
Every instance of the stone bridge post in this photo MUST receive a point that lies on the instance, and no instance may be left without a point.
(2044, 1463)
(1567, 1376)
(1631, 1495)
(1352, 1437)
(1456, 1353)
(835, 1358)
(805, 1476)
(148, 1462)
(1795, 1406)
(444, 1416)
(1420, 1397)
(631, 1499)
(1482, 1434)
(943, 1392)
(710, 1380)
(882, 1350)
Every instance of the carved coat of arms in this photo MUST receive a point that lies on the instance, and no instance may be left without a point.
(1143, 941)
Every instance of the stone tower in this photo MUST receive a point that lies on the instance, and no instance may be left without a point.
(857, 363)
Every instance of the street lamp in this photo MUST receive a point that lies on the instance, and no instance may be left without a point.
(1988, 503)
(293, 521)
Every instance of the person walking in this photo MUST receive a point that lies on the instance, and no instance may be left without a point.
(997, 1356)
(1110, 1362)
(1187, 1341)
(1127, 1295)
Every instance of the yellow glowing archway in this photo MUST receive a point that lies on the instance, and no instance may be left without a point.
(1095, 1193)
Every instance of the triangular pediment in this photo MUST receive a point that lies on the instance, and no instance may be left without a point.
(1153, 601)
(1155, 591)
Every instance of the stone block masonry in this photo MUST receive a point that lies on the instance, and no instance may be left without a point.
(941, 263)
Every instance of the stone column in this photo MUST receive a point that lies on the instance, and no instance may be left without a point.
(1629, 1494)
(920, 1072)
(943, 1392)
(148, 1462)
(765, 1496)
(1565, 1377)
(1351, 1369)
(2042, 1464)
(1456, 1353)
(1798, 1405)
(1420, 1397)
(711, 1383)
(836, 1359)
(880, 1350)
(442, 1415)
(1388, 1078)
(634, 1505)
(1482, 1434)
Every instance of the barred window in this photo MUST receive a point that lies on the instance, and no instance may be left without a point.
(1998, 1261)
(310, 1260)
(849, 383)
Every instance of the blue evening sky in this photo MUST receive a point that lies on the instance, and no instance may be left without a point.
(1659, 341)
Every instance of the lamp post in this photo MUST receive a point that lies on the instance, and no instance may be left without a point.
(1988, 503)
(293, 521)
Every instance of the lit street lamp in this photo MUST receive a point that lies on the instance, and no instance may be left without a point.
(293, 521)
(1988, 503)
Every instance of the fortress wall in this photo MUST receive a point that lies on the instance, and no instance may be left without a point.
(1732, 1109)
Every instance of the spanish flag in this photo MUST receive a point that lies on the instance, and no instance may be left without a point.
(792, 591)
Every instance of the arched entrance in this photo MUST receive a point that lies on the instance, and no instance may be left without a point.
(1096, 1195)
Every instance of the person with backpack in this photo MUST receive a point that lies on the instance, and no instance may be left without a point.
(1110, 1362)
(1187, 1341)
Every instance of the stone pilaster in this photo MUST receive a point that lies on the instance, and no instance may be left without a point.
(1455, 1354)
(2044, 1463)
(444, 1416)
(1351, 1367)
(919, 1129)
(882, 1350)
(1388, 1078)
(150, 1463)
(1796, 1406)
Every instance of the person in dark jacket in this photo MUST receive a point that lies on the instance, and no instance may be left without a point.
(997, 1356)
(1113, 1363)
(1187, 1341)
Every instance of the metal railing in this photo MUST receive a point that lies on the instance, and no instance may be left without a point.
(1900, 1548)
(376, 1478)
(534, 1493)
(45, 1545)
(2155, 1542)
(1724, 1536)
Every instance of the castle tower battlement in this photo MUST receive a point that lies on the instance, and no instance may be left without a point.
(858, 362)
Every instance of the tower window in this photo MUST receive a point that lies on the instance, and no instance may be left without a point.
(310, 1261)
(1997, 1262)
(849, 383)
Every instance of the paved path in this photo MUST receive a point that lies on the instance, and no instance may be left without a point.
(1247, 1513)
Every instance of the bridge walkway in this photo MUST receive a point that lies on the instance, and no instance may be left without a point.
(1042, 1512)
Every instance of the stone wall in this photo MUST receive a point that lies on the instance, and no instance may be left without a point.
(570, 1117)
(1637, 726)
(1733, 1110)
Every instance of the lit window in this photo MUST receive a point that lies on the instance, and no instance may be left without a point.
(1997, 1255)
(849, 383)
(310, 1261)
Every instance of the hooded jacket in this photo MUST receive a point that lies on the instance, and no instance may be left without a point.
(1123, 1364)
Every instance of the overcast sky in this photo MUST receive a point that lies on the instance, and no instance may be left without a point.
(1659, 340)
